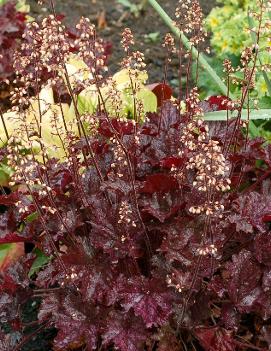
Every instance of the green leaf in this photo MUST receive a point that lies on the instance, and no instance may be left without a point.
(254, 131)
(5, 173)
(133, 8)
(85, 104)
(254, 38)
(253, 115)
(265, 102)
(3, 178)
(10, 253)
(4, 249)
(22, 6)
(5, 168)
(267, 81)
(152, 37)
(148, 99)
(40, 261)
(30, 218)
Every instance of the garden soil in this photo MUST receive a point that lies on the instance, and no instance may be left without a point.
(111, 18)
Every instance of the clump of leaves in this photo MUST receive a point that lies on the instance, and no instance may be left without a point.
(149, 233)
(137, 246)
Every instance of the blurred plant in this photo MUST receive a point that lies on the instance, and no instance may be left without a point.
(10, 253)
(11, 30)
(20, 5)
(88, 99)
(12, 25)
(152, 37)
(135, 9)
(228, 24)
(233, 29)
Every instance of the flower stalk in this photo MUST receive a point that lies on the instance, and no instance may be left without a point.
(195, 54)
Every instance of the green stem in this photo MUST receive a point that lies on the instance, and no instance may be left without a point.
(4, 125)
(202, 61)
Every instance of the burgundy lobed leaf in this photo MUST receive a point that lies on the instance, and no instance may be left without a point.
(170, 162)
(230, 317)
(249, 212)
(216, 103)
(262, 247)
(162, 91)
(7, 284)
(8, 341)
(159, 183)
(217, 286)
(266, 280)
(129, 254)
(162, 207)
(8, 227)
(244, 278)
(9, 199)
(150, 299)
(176, 249)
(60, 180)
(76, 325)
(266, 218)
(115, 126)
(262, 306)
(169, 117)
(13, 238)
(214, 339)
(126, 331)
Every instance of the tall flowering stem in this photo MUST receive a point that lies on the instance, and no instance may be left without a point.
(196, 55)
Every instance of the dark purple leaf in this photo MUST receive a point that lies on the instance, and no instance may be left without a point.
(262, 246)
(126, 331)
(250, 210)
(161, 207)
(162, 91)
(214, 339)
(12, 25)
(76, 323)
(159, 183)
(9, 200)
(170, 162)
(216, 103)
(150, 299)
(243, 285)
(115, 126)
(230, 317)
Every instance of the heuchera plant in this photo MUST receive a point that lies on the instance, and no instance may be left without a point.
(155, 232)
